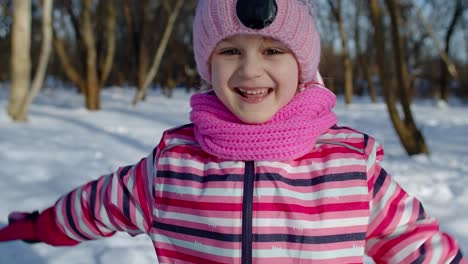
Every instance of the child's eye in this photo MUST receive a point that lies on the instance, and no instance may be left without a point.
(273, 51)
(229, 52)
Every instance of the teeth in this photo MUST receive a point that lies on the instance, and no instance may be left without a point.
(256, 92)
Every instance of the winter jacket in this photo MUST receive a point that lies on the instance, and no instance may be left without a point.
(333, 205)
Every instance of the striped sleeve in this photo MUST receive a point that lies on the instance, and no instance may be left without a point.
(121, 201)
(399, 229)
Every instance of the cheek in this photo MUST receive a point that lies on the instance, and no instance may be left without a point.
(218, 72)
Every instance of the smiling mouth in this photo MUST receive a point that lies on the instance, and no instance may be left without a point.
(249, 93)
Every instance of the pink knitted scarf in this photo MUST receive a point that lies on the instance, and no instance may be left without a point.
(290, 134)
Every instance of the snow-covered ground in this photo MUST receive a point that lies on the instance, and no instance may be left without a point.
(64, 145)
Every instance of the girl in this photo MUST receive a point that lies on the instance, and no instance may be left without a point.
(263, 174)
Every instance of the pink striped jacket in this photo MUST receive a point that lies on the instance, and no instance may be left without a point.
(333, 205)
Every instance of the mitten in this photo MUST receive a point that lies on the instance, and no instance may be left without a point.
(35, 227)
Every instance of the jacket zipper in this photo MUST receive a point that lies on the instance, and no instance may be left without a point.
(247, 207)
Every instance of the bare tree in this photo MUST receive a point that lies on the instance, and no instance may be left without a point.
(20, 56)
(93, 74)
(173, 12)
(41, 70)
(137, 21)
(444, 79)
(336, 9)
(449, 65)
(362, 58)
(410, 137)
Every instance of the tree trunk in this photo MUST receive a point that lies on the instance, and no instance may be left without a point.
(347, 63)
(143, 66)
(110, 43)
(361, 57)
(444, 80)
(410, 137)
(450, 66)
(142, 51)
(92, 80)
(43, 59)
(174, 13)
(20, 56)
(67, 66)
(131, 52)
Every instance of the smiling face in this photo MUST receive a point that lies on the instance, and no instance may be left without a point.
(253, 76)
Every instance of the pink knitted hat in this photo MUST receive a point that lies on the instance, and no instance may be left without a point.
(293, 24)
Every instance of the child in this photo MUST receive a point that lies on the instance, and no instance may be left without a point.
(263, 174)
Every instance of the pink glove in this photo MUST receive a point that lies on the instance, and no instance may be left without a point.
(35, 227)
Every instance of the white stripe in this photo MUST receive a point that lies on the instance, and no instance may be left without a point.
(200, 165)
(407, 212)
(197, 246)
(315, 166)
(102, 211)
(209, 221)
(151, 174)
(309, 255)
(61, 219)
(400, 230)
(114, 188)
(199, 191)
(264, 222)
(377, 208)
(341, 136)
(339, 143)
(405, 252)
(372, 157)
(177, 142)
(336, 193)
(82, 227)
(436, 242)
(138, 211)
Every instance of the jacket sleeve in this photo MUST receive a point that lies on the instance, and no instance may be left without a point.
(399, 229)
(121, 201)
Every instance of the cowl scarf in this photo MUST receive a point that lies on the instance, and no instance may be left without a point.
(290, 134)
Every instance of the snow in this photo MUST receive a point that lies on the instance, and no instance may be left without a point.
(64, 145)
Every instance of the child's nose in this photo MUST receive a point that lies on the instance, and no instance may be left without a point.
(250, 67)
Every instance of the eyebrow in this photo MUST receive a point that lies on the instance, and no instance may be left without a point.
(265, 39)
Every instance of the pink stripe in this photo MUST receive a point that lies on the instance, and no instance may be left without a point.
(193, 255)
(312, 217)
(202, 198)
(353, 201)
(416, 233)
(185, 168)
(141, 190)
(201, 240)
(175, 254)
(333, 151)
(357, 259)
(73, 215)
(338, 207)
(308, 247)
(214, 206)
(388, 217)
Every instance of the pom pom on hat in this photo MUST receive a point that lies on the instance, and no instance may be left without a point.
(294, 25)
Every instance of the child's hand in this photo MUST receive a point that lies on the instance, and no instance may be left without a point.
(35, 227)
(21, 225)
(19, 219)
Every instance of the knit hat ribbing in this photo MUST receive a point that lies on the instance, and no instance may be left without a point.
(294, 26)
